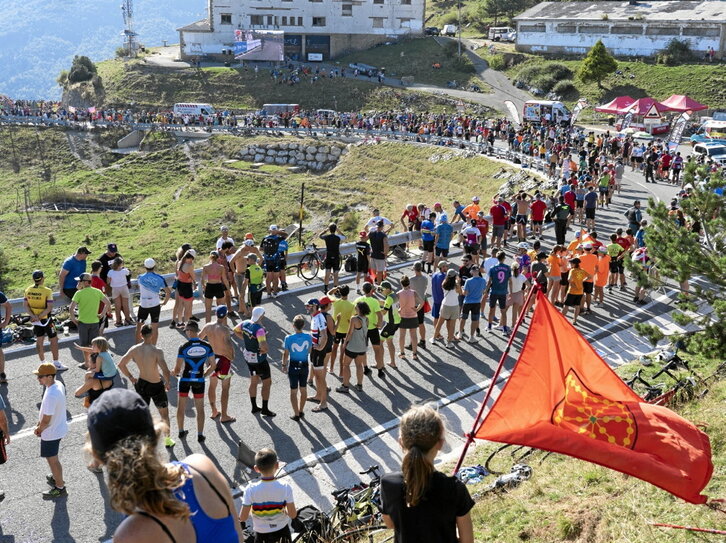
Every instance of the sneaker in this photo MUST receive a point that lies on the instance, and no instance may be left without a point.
(422, 344)
(450, 345)
(182, 434)
(169, 442)
(3, 379)
(367, 371)
(172, 324)
(55, 493)
(296, 418)
(274, 294)
(473, 340)
(2, 495)
(622, 288)
(60, 367)
(381, 373)
(201, 438)
(478, 332)
(267, 413)
(507, 331)
(343, 389)
(82, 365)
(489, 327)
(233, 314)
(409, 347)
(193, 318)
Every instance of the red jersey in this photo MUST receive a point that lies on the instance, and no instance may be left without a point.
(483, 226)
(539, 208)
(570, 198)
(410, 215)
(100, 284)
(623, 242)
(499, 215)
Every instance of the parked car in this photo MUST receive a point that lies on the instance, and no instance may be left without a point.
(712, 130)
(712, 151)
(432, 31)
(502, 33)
(449, 30)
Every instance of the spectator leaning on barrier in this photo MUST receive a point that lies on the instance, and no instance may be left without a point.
(72, 267)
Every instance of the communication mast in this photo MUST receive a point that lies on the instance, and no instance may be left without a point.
(130, 43)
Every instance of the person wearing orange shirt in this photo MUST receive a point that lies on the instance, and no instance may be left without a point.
(553, 274)
(601, 277)
(472, 210)
(575, 289)
(588, 262)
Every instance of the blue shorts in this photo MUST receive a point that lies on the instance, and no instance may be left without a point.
(436, 310)
(497, 298)
(101, 377)
(298, 375)
(49, 449)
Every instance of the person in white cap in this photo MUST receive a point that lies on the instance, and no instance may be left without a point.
(224, 236)
(255, 351)
(472, 209)
(150, 286)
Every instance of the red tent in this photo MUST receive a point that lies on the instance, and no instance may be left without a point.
(679, 102)
(617, 105)
(646, 107)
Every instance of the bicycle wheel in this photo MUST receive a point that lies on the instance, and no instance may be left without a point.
(366, 534)
(309, 267)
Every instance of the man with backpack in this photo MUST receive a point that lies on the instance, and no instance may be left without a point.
(271, 260)
(635, 216)
(561, 215)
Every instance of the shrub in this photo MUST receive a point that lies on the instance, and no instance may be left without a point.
(82, 69)
(463, 64)
(450, 18)
(565, 88)
(676, 52)
(496, 62)
(543, 82)
(451, 49)
(558, 70)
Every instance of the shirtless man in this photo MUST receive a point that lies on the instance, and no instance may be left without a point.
(239, 265)
(218, 335)
(523, 201)
(149, 385)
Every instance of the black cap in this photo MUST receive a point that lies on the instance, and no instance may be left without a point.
(117, 414)
(112, 247)
(38, 275)
(83, 249)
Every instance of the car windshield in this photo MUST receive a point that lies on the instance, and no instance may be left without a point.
(716, 150)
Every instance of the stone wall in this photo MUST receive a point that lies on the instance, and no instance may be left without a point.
(311, 155)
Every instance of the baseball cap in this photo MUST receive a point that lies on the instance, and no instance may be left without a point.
(223, 228)
(313, 301)
(149, 263)
(577, 234)
(249, 235)
(83, 249)
(221, 311)
(523, 245)
(46, 368)
(386, 284)
(363, 234)
(38, 274)
(443, 263)
(325, 301)
(438, 204)
(444, 218)
(117, 414)
(474, 198)
(111, 247)
(602, 249)
(273, 227)
(249, 242)
(257, 313)
(587, 246)
(83, 277)
(452, 273)
(192, 252)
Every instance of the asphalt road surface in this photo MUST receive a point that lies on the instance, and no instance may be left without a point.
(85, 515)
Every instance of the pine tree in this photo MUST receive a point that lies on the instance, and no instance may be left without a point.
(597, 64)
(681, 254)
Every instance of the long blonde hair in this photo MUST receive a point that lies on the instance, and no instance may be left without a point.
(421, 430)
(137, 479)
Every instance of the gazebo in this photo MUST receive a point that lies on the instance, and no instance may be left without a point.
(647, 116)
(616, 106)
(680, 102)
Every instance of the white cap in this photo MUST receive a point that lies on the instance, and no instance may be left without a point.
(192, 252)
(523, 245)
(223, 228)
(273, 227)
(257, 313)
(587, 245)
(474, 198)
(249, 242)
(149, 263)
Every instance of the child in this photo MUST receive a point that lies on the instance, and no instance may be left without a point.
(270, 501)
(118, 277)
(103, 370)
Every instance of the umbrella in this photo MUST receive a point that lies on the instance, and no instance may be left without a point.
(679, 102)
(617, 105)
(643, 136)
(628, 131)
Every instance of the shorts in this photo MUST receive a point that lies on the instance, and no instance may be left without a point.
(587, 287)
(439, 251)
(197, 388)
(420, 316)
(332, 262)
(409, 323)
(184, 290)
(223, 367)
(120, 292)
(573, 300)
(389, 330)
(378, 264)
(298, 375)
(590, 213)
(373, 337)
(260, 369)
(428, 246)
(579, 203)
(471, 249)
(362, 265)
(500, 299)
(604, 190)
(214, 290)
(317, 357)
(516, 298)
(617, 266)
(521, 219)
(436, 310)
(87, 332)
(272, 264)
(449, 312)
(554, 279)
(353, 355)
(537, 223)
(47, 330)
(564, 279)
(473, 309)
(152, 392)
(146, 312)
(339, 337)
(255, 298)
(498, 230)
(101, 377)
(280, 536)
(49, 449)
(70, 292)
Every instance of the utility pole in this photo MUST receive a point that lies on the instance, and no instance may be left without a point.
(302, 212)
(458, 5)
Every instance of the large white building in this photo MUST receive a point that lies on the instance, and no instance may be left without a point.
(327, 27)
(625, 28)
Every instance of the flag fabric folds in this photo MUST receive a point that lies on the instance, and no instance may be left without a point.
(562, 397)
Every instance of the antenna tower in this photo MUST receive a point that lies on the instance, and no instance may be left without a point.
(130, 43)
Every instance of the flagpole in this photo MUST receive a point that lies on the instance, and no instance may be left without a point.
(495, 377)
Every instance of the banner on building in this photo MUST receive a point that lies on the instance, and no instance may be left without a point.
(512, 110)
(678, 127)
(581, 104)
(626, 121)
(259, 45)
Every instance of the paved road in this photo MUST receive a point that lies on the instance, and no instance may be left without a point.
(85, 515)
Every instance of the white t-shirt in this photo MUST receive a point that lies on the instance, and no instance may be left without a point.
(117, 278)
(489, 263)
(54, 404)
(374, 221)
(221, 240)
(518, 282)
(268, 499)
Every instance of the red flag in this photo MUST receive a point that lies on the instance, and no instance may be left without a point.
(562, 397)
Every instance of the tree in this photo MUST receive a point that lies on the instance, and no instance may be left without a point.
(82, 69)
(680, 254)
(491, 8)
(597, 64)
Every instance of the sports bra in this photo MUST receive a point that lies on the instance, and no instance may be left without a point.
(214, 275)
(220, 530)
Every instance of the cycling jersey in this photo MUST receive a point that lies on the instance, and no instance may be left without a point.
(195, 353)
(38, 298)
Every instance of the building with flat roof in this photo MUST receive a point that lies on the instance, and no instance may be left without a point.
(625, 28)
(323, 28)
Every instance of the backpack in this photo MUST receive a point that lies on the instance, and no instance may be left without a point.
(309, 520)
(269, 245)
(351, 264)
(630, 214)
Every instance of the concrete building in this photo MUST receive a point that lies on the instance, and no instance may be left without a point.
(327, 27)
(626, 28)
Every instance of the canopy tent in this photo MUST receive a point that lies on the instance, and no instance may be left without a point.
(679, 102)
(617, 105)
(646, 107)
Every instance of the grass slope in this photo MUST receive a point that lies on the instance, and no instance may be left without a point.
(571, 500)
(183, 194)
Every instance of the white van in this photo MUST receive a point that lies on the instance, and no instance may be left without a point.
(193, 109)
(449, 30)
(502, 33)
(535, 111)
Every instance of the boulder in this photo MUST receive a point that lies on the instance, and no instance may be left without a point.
(324, 149)
(311, 150)
(300, 155)
(309, 157)
(259, 157)
(320, 157)
(269, 160)
(280, 160)
(332, 158)
(335, 151)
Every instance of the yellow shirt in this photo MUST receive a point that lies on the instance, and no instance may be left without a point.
(38, 298)
(575, 278)
(345, 309)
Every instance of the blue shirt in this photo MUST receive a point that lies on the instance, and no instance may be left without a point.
(445, 232)
(75, 268)
(437, 292)
(427, 230)
(474, 290)
(640, 238)
(499, 277)
(457, 212)
(282, 247)
(299, 346)
(195, 353)
(591, 199)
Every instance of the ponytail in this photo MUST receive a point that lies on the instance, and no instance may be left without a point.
(421, 430)
(417, 472)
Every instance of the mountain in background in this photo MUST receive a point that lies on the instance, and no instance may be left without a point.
(38, 38)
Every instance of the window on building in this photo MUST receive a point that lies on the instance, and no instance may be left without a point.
(406, 2)
(318, 21)
(404, 22)
(299, 21)
(378, 1)
(347, 10)
(663, 31)
(701, 31)
(315, 0)
(284, 20)
(594, 29)
(632, 30)
(270, 20)
(377, 22)
(532, 28)
(256, 20)
(226, 19)
(566, 28)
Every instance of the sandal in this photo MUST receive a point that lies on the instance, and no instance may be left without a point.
(320, 408)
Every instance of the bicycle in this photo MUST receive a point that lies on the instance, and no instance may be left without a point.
(311, 263)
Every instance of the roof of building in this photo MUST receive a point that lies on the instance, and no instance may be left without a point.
(668, 11)
(198, 26)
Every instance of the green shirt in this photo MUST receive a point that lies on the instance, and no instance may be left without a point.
(389, 306)
(87, 300)
(345, 309)
(375, 308)
(614, 250)
(604, 180)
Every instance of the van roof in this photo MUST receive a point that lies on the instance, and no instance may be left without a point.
(543, 102)
(712, 123)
